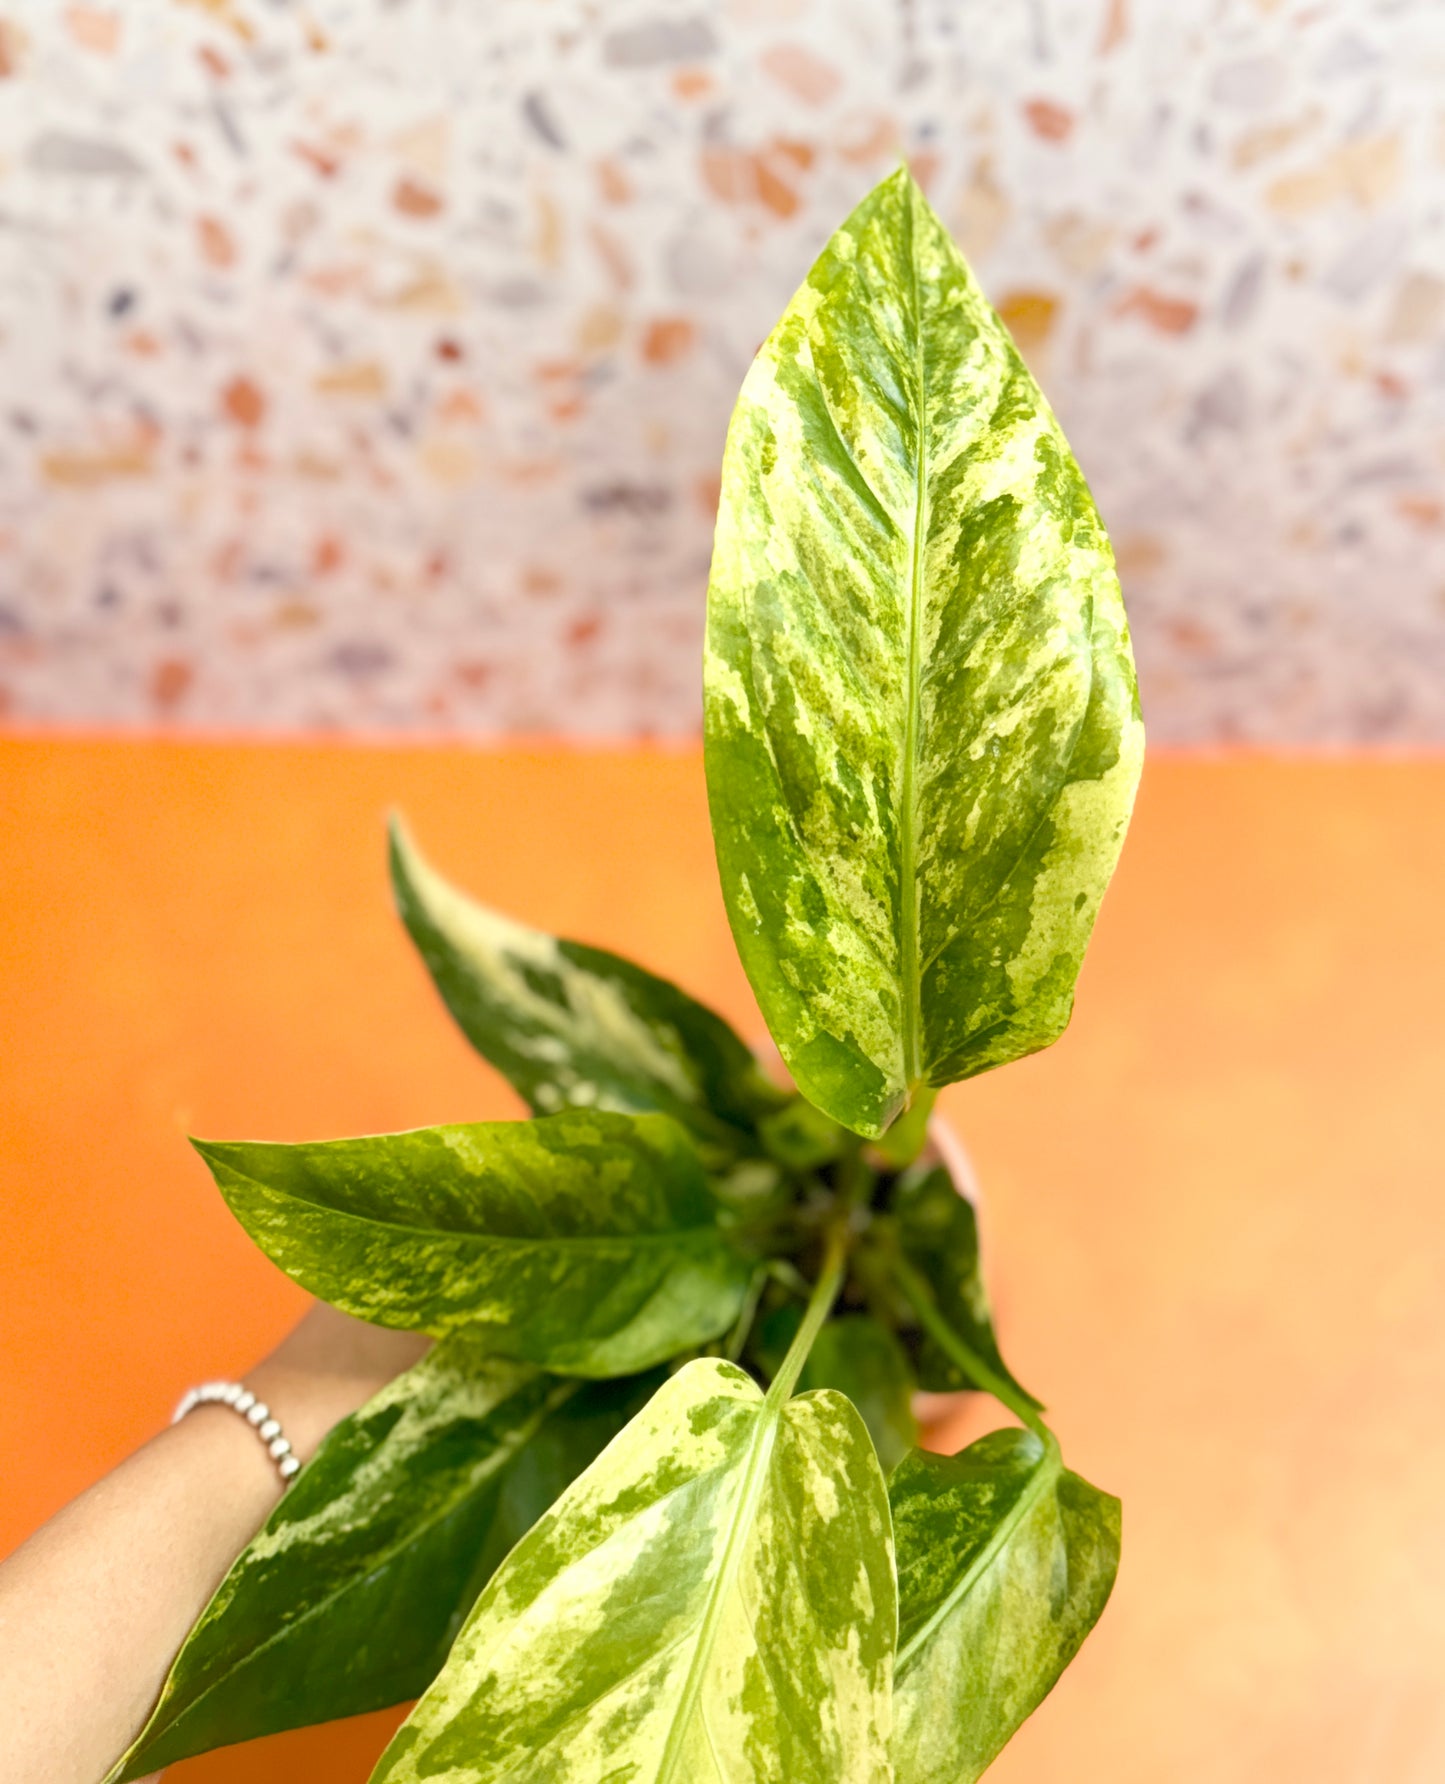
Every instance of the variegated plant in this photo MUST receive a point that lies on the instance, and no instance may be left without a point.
(650, 1508)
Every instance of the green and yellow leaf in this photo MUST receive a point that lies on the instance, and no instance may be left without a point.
(922, 730)
(567, 1024)
(1005, 1561)
(585, 1242)
(351, 1596)
(713, 1602)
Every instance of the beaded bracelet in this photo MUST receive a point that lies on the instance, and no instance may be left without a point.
(255, 1412)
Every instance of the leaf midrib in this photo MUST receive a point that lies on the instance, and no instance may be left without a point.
(572, 1241)
(503, 1456)
(1047, 1471)
(760, 1449)
(908, 838)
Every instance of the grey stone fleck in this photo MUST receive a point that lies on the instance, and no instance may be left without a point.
(360, 658)
(1250, 83)
(226, 123)
(658, 40)
(58, 152)
(641, 500)
(1222, 406)
(519, 293)
(1242, 294)
(538, 113)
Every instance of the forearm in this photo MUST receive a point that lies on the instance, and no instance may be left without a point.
(96, 1603)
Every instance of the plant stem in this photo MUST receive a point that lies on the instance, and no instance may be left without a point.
(959, 1351)
(738, 1337)
(820, 1305)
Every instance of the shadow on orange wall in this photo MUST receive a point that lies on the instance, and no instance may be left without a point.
(1214, 1209)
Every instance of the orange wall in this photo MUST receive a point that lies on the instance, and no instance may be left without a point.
(1214, 1209)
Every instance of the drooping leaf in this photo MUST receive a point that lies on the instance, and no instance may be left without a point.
(922, 733)
(568, 1024)
(861, 1358)
(585, 1242)
(937, 1231)
(1005, 1561)
(350, 1597)
(713, 1600)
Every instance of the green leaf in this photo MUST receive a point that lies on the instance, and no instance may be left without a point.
(714, 1599)
(568, 1024)
(922, 732)
(350, 1597)
(1005, 1560)
(861, 1358)
(937, 1231)
(584, 1242)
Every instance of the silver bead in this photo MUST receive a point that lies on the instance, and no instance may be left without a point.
(290, 1465)
(279, 1446)
(258, 1413)
(245, 1400)
(270, 1428)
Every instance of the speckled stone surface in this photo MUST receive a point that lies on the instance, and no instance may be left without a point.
(365, 365)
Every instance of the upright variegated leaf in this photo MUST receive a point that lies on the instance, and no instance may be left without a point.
(713, 1602)
(350, 1597)
(937, 1231)
(921, 720)
(568, 1024)
(586, 1242)
(1005, 1560)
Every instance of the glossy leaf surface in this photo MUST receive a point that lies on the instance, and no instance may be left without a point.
(350, 1597)
(1005, 1560)
(922, 733)
(568, 1024)
(584, 1242)
(713, 1602)
(937, 1229)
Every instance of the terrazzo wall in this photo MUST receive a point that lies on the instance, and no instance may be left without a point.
(364, 364)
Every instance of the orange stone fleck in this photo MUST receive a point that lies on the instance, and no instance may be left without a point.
(170, 679)
(1048, 119)
(612, 181)
(328, 554)
(218, 245)
(413, 199)
(1029, 317)
(244, 402)
(779, 197)
(691, 83)
(1169, 315)
(667, 340)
